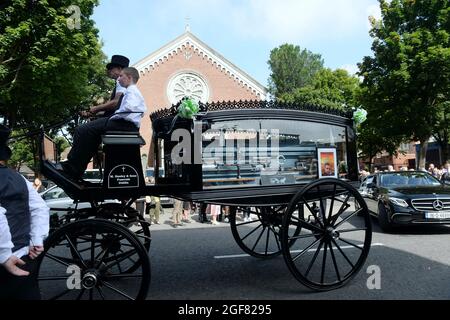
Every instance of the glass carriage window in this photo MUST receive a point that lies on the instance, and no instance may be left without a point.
(161, 163)
(267, 152)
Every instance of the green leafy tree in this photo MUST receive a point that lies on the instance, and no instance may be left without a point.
(408, 78)
(442, 130)
(372, 142)
(51, 63)
(333, 89)
(23, 152)
(292, 68)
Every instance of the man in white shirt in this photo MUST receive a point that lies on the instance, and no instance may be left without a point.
(24, 224)
(87, 137)
(114, 68)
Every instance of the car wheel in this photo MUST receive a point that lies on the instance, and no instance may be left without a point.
(383, 219)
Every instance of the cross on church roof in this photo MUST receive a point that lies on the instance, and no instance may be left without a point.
(188, 42)
(188, 27)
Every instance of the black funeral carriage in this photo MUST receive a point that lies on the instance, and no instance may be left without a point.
(265, 160)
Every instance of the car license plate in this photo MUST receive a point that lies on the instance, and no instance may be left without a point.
(438, 215)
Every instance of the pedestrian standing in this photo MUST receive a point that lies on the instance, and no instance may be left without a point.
(186, 212)
(156, 208)
(24, 224)
(215, 211)
(37, 185)
(177, 213)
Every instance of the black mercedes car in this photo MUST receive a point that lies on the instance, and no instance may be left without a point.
(406, 198)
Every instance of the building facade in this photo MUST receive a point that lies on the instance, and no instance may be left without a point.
(406, 158)
(189, 67)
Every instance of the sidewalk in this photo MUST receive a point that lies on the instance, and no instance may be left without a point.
(165, 221)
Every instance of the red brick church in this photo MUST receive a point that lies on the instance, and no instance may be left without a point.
(189, 67)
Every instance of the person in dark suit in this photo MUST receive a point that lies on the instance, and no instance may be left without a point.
(24, 224)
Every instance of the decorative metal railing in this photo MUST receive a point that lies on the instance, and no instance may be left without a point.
(252, 104)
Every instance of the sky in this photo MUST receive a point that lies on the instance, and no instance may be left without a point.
(243, 31)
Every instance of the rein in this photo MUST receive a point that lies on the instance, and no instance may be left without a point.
(33, 131)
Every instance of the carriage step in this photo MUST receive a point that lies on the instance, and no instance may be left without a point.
(76, 189)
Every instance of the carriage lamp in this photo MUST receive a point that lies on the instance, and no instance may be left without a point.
(399, 202)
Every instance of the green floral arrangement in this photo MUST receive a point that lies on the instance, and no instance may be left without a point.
(188, 108)
(359, 116)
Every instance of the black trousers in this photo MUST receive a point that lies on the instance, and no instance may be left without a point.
(202, 213)
(20, 288)
(87, 139)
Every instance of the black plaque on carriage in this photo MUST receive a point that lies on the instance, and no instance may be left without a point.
(277, 179)
(123, 176)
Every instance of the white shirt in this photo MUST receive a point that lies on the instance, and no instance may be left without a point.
(132, 101)
(40, 220)
(119, 88)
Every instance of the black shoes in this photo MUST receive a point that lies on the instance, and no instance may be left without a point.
(66, 170)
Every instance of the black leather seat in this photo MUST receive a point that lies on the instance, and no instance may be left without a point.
(122, 138)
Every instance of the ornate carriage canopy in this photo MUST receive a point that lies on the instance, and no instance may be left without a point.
(242, 144)
(253, 104)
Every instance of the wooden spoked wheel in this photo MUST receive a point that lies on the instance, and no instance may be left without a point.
(331, 235)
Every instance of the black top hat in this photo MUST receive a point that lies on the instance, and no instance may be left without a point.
(118, 61)
(5, 151)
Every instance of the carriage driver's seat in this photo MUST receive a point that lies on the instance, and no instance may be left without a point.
(123, 166)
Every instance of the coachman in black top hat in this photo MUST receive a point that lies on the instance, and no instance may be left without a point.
(118, 61)
(113, 69)
(107, 109)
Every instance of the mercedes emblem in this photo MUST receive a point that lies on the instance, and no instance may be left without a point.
(438, 205)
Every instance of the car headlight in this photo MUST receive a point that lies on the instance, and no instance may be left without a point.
(399, 202)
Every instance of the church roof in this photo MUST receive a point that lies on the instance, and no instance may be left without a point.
(187, 39)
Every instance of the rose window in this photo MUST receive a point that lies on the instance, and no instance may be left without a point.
(187, 85)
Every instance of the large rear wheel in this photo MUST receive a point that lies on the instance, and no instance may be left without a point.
(334, 238)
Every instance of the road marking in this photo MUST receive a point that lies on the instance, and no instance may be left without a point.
(232, 256)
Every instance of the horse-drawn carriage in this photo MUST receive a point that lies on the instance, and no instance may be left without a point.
(291, 167)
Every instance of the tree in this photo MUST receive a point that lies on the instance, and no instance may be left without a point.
(372, 142)
(408, 78)
(51, 65)
(442, 130)
(25, 150)
(333, 89)
(292, 68)
(22, 152)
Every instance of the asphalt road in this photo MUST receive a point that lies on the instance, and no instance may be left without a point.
(199, 261)
(203, 262)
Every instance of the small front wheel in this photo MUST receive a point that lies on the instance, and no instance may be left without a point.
(84, 260)
(258, 231)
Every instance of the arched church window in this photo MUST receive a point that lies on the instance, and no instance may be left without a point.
(187, 84)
